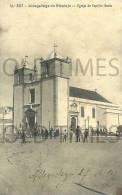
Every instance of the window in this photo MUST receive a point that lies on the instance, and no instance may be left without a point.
(30, 77)
(32, 95)
(93, 112)
(82, 111)
(48, 69)
(18, 79)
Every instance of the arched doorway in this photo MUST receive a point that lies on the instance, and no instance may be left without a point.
(73, 123)
(30, 118)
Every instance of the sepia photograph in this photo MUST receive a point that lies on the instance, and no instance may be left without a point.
(60, 97)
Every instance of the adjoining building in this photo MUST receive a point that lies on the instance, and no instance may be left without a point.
(6, 117)
(49, 100)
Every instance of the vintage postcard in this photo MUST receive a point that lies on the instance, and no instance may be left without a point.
(60, 97)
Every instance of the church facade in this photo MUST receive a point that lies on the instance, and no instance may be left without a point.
(47, 99)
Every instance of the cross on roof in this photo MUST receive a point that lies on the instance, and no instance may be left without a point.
(54, 46)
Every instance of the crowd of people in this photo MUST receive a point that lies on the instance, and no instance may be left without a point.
(36, 131)
(65, 135)
(77, 135)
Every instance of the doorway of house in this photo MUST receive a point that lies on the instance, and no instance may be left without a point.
(73, 123)
(30, 118)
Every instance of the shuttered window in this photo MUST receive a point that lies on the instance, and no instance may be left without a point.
(93, 112)
(82, 111)
(32, 95)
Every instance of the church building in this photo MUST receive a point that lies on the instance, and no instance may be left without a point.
(47, 99)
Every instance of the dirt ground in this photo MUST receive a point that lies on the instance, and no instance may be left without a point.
(52, 167)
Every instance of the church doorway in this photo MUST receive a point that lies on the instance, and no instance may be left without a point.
(73, 123)
(30, 119)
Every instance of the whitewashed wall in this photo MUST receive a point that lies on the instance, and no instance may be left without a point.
(62, 94)
(48, 104)
(18, 105)
(106, 114)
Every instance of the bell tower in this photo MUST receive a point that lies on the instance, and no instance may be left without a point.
(55, 72)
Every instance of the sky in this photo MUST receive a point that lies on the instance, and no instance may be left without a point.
(82, 34)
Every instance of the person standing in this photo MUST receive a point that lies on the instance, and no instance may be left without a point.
(35, 133)
(65, 136)
(98, 133)
(50, 132)
(86, 135)
(78, 132)
(46, 134)
(92, 134)
(70, 135)
(23, 134)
